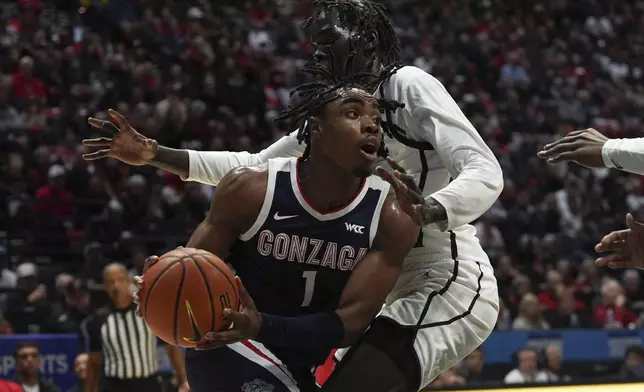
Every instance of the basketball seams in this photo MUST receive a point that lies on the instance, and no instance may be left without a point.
(156, 280)
(166, 276)
(175, 330)
(232, 285)
(213, 309)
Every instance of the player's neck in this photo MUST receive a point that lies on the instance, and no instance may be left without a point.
(326, 186)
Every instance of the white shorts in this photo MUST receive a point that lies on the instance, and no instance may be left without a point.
(452, 304)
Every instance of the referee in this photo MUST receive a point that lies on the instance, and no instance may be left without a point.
(123, 344)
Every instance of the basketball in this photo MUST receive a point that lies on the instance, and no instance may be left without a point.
(184, 294)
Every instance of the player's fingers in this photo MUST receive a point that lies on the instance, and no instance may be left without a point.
(240, 321)
(96, 123)
(413, 192)
(138, 281)
(395, 165)
(103, 124)
(612, 260)
(611, 246)
(225, 337)
(118, 117)
(100, 154)
(578, 132)
(632, 223)
(389, 177)
(149, 262)
(563, 157)
(98, 142)
(244, 298)
(407, 179)
(612, 239)
(563, 140)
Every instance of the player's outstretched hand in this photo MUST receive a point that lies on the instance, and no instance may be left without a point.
(626, 247)
(409, 196)
(126, 144)
(583, 147)
(245, 323)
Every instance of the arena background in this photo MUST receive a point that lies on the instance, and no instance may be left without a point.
(212, 75)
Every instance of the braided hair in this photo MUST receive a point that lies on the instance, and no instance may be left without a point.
(365, 15)
(313, 97)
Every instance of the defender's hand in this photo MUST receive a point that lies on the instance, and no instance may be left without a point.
(583, 147)
(246, 323)
(627, 245)
(409, 195)
(126, 144)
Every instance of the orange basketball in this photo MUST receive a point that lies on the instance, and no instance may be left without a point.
(184, 294)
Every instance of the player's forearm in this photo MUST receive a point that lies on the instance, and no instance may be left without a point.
(209, 167)
(320, 330)
(624, 154)
(471, 193)
(172, 160)
(93, 372)
(175, 355)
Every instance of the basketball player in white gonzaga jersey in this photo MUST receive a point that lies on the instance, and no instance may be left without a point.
(445, 303)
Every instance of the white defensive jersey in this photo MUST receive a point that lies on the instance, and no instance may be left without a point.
(440, 148)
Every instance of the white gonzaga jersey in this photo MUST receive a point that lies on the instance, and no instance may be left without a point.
(435, 143)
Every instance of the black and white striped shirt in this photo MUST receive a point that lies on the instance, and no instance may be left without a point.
(128, 346)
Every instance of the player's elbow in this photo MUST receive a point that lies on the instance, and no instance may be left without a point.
(496, 181)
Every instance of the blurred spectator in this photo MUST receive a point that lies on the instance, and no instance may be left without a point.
(53, 199)
(474, 365)
(554, 287)
(526, 370)
(612, 311)
(633, 367)
(530, 314)
(26, 87)
(633, 290)
(27, 310)
(80, 368)
(552, 370)
(8, 278)
(28, 364)
(570, 313)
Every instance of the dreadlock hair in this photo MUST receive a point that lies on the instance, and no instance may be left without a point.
(314, 96)
(365, 15)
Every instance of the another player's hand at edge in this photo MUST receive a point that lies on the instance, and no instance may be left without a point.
(626, 247)
(246, 323)
(409, 195)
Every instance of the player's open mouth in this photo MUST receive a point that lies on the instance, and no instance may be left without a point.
(369, 151)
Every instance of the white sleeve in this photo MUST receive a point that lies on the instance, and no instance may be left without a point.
(209, 167)
(477, 176)
(624, 154)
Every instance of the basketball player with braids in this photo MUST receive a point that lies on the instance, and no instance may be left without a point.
(318, 242)
(445, 303)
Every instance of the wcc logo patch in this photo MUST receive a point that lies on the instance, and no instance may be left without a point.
(257, 385)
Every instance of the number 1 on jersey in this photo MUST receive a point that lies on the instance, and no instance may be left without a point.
(309, 286)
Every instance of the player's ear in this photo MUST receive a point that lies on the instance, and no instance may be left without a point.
(315, 125)
(370, 40)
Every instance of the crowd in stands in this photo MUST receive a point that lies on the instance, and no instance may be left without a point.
(212, 75)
